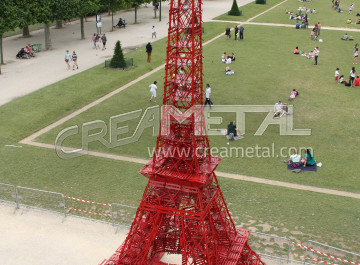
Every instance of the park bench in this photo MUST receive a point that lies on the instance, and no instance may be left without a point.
(36, 47)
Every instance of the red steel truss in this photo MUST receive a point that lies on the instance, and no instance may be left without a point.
(183, 210)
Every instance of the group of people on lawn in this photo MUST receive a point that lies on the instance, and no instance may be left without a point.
(296, 161)
(227, 60)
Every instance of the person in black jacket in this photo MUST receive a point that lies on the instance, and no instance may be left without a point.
(148, 51)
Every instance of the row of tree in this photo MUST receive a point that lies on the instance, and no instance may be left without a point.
(22, 13)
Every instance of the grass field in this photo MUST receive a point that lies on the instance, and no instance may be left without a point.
(249, 10)
(324, 14)
(265, 71)
(245, 87)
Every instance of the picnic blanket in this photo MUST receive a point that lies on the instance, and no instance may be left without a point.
(311, 168)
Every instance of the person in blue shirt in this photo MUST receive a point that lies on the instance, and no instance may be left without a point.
(67, 59)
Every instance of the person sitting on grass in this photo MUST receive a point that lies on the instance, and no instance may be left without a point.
(297, 25)
(303, 25)
(232, 57)
(277, 109)
(295, 160)
(296, 51)
(228, 71)
(349, 21)
(346, 37)
(228, 60)
(284, 110)
(223, 57)
(293, 94)
(357, 81)
(341, 79)
(358, 22)
(308, 159)
(233, 132)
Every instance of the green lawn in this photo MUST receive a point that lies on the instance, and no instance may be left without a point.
(265, 71)
(300, 215)
(324, 14)
(262, 77)
(248, 11)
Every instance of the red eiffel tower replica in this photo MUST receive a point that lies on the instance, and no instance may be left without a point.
(183, 210)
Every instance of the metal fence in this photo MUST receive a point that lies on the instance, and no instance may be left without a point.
(271, 248)
(8, 194)
(118, 215)
(128, 63)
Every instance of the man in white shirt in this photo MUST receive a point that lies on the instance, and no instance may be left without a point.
(153, 32)
(153, 88)
(316, 54)
(207, 96)
(295, 160)
(277, 108)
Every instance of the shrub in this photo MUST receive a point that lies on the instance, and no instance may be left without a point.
(234, 10)
(118, 60)
(262, 2)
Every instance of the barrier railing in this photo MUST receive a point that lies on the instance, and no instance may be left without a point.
(115, 65)
(122, 215)
(8, 194)
(272, 247)
(48, 200)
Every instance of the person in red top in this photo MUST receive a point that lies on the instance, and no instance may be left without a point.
(357, 81)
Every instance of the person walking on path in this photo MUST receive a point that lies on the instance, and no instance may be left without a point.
(93, 39)
(148, 51)
(207, 96)
(97, 41)
(104, 40)
(153, 32)
(236, 31)
(67, 59)
(241, 32)
(316, 54)
(74, 58)
(153, 88)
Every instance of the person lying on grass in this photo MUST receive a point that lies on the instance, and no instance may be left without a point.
(228, 71)
(293, 94)
(308, 159)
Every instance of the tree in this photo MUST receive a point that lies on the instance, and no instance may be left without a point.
(118, 60)
(26, 14)
(234, 10)
(64, 10)
(136, 4)
(8, 21)
(51, 10)
(85, 7)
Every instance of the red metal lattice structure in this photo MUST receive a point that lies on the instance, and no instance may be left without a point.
(183, 210)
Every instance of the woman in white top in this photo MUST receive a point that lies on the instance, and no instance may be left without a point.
(352, 76)
(153, 88)
(356, 55)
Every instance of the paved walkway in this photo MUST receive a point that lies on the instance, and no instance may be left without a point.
(21, 77)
